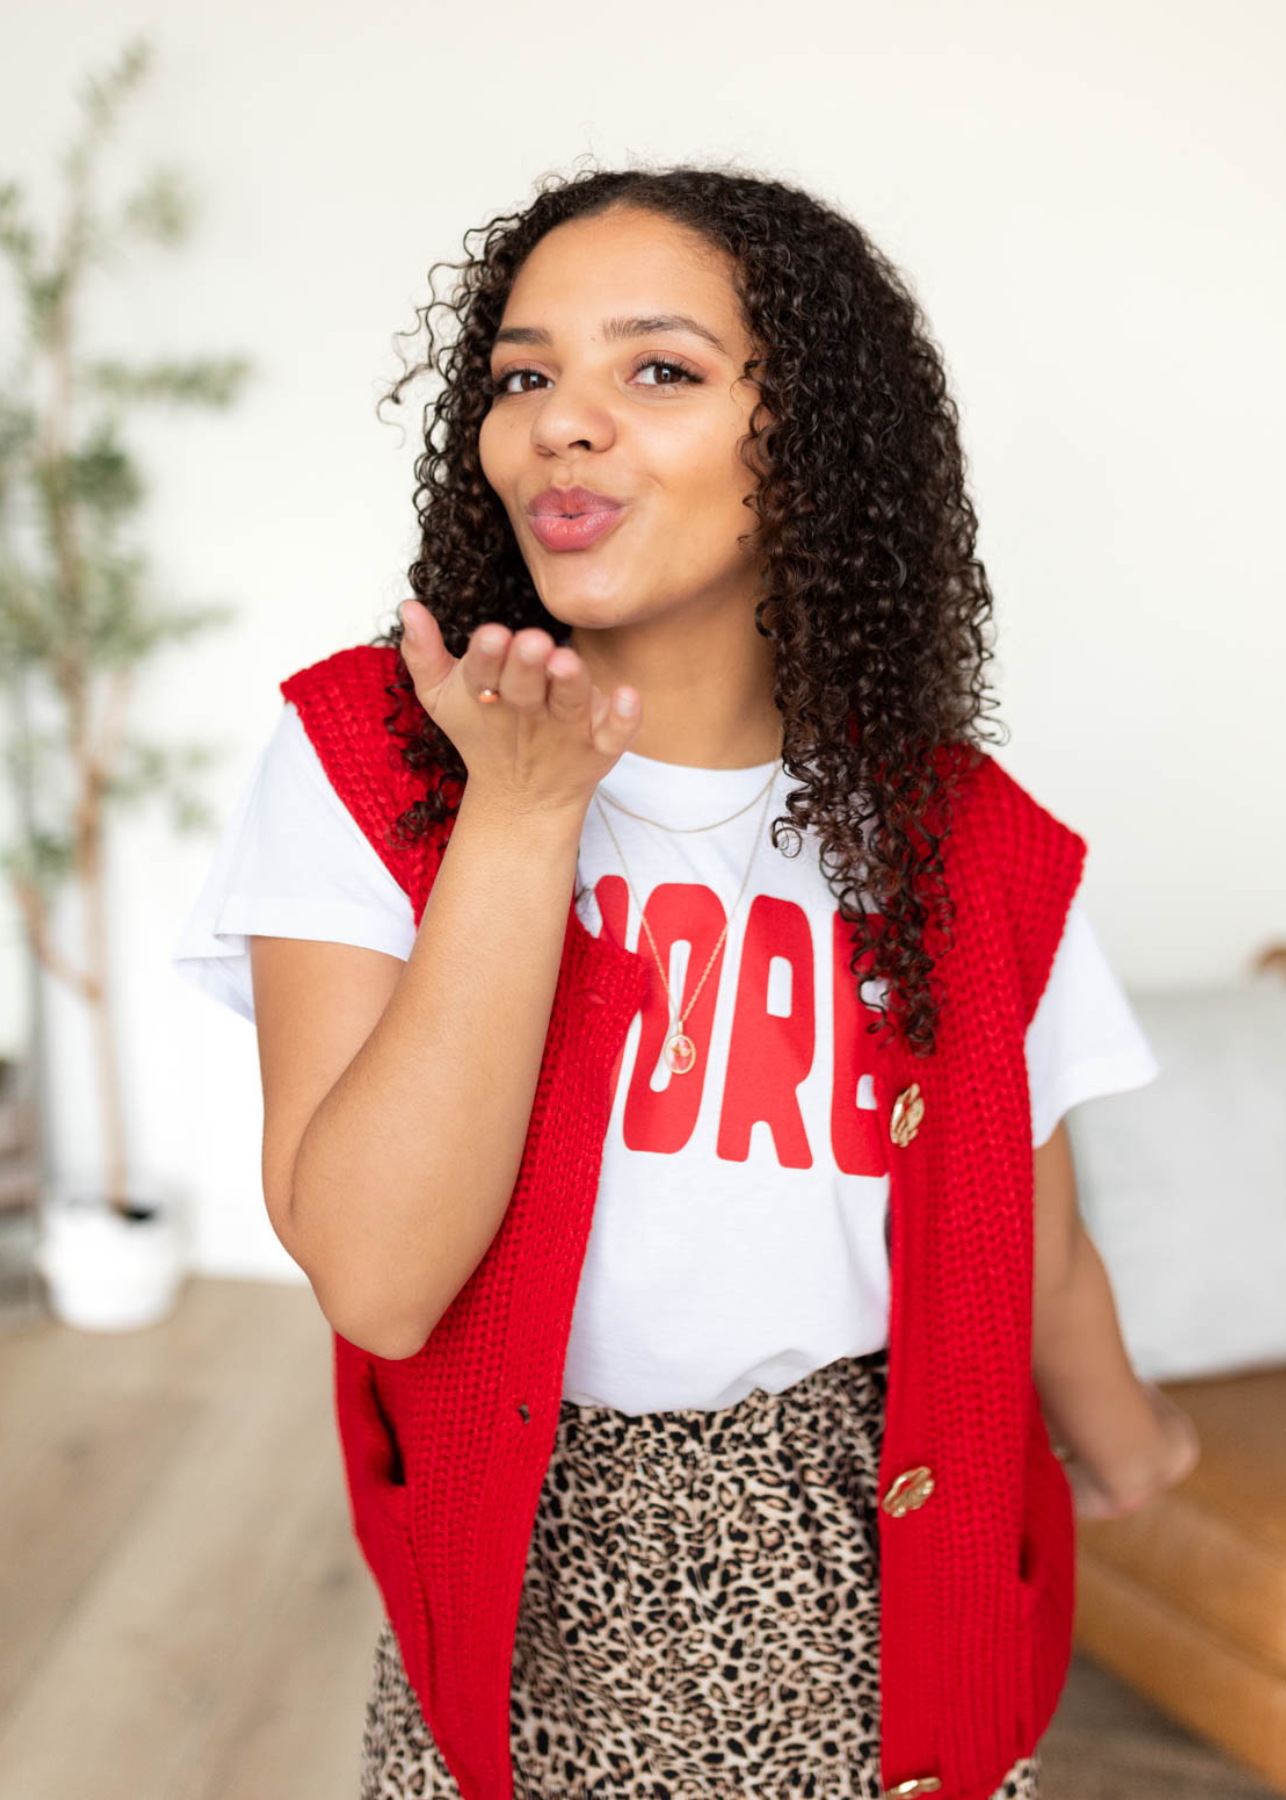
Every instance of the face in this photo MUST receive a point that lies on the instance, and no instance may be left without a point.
(592, 390)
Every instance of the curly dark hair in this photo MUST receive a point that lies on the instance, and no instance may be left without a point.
(874, 600)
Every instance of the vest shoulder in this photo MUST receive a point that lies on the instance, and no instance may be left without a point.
(995, 803)
(352, 680)
(1029, 859)
(357, 717)
(351, 704)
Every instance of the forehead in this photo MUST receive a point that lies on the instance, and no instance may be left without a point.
(622, 266)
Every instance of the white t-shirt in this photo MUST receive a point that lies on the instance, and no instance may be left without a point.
(738, 1236)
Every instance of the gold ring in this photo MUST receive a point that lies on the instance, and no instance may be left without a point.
(488, 694)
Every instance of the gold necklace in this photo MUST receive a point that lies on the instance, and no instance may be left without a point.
(679, 1051)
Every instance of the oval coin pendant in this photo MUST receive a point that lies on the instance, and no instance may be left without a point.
(680, 1052)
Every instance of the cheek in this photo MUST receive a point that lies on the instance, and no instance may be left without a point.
(487, 446)
(694, 536)
(500, 450)
(700, 465)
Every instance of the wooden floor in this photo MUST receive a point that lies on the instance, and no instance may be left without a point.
(185, 1613)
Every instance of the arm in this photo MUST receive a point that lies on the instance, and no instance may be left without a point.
(1126, 1438)
(397, 1096)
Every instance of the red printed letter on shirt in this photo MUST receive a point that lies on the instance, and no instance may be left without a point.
(678, 912)
(855, 1136)
(770, 1053)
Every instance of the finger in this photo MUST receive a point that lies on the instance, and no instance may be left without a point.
(569, 683)
(484, 657)
(616, 719)
(524, 684)
(423, 652)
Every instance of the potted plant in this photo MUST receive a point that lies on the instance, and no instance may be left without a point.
(77, 618)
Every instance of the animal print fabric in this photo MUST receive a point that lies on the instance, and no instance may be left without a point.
(699, 1616)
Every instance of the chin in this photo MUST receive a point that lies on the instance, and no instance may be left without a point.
(594, 608)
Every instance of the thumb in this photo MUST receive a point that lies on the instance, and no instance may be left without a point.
(423, 651)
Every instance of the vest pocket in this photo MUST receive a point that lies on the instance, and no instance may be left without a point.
(391, 1465)
(1031, 1571)
(1046, 1580)
(379, 1500)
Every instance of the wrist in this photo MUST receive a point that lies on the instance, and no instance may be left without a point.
(522, 816)
(1162, 1457)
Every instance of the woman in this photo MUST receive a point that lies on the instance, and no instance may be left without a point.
(606, 1207)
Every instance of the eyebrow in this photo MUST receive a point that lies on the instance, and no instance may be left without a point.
(643, 326)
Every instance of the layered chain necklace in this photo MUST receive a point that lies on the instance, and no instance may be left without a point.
(679, 1051)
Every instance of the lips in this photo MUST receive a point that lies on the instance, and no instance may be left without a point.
(570, 502)
(576, 531)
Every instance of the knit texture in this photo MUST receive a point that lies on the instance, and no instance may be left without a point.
(445, 1451)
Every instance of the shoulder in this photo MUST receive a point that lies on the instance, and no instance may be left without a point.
(996, 801)
(995, 810)
(351, 691)
(357, 707)
(1026, 859)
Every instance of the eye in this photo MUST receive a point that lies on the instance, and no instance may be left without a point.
(499, 385)
(666, 362)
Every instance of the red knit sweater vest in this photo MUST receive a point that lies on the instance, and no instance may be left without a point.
(445, 1451)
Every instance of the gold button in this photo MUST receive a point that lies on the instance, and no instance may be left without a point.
(911, 1489)
(919, 1784)
(908, 1110)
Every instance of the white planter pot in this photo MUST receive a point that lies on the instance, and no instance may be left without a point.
(105, 1272)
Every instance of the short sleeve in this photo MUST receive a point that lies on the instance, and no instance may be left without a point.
(291, 862)
(1084, 1039)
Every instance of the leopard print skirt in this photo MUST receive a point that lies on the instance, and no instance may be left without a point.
(699, 1617)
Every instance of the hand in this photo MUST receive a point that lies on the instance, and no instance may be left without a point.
(1183, 1447)
(1171, 1459)
(550, 738)
(1089, 1499)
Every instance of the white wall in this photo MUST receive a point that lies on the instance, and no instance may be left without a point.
(1088, 201)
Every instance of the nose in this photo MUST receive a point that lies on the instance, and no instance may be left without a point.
(569, 417)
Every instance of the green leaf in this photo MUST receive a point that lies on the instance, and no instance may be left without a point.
(44, 858)
(160, 209)
(18, 428)
(147, 769)
(99, 474)
(17, 238)
(30, 625)
(101, 96)
(199, 381)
